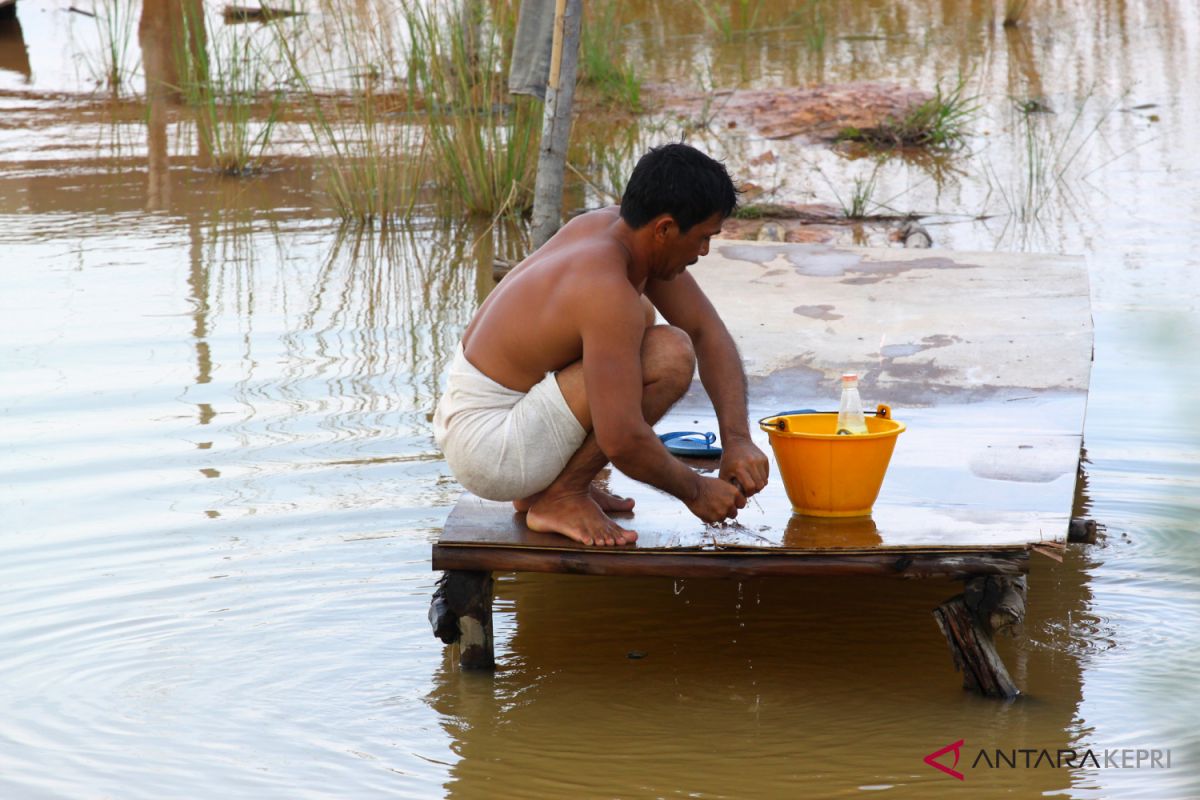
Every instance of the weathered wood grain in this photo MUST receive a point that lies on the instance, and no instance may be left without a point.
(461, 613)
(730, 564)
(969, 621)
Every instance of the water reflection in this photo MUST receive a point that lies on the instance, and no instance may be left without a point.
(390, 300)
(314, 357)
(166, 28)
(602, 156)
(1024, 75)
(13, 55)
(720, 673)
(198, 289)
(831, 532)
(501, 242)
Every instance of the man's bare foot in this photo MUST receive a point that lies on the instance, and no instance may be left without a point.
(578, 517)
(604, 498)
(609, 501)
(526, 503)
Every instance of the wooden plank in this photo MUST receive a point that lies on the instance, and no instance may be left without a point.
(722, 564)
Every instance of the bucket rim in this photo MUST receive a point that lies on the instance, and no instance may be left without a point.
(771, 427)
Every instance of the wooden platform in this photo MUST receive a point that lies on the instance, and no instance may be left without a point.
(986, 359)
(481, 535)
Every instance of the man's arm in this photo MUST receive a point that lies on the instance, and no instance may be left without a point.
(612, 325)
(683, 303)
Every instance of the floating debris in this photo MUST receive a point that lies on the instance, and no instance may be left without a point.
(234, 14)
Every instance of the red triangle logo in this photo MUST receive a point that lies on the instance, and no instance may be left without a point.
(931, 759)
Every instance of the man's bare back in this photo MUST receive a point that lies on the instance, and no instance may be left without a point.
(526, 328)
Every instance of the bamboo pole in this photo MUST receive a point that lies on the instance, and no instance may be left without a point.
(556, 121)
(556, 48)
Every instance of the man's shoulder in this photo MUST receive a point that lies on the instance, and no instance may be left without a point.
(599, 275)
(596, 274)
(594, 252)
(608, 213)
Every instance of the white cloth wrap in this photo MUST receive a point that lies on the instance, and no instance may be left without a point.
(502, 444)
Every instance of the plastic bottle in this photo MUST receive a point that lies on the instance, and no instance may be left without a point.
(850, 414)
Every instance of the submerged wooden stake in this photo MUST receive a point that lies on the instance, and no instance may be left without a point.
(969, 621)
(461, 613)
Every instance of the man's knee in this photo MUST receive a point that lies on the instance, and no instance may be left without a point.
(667, 355)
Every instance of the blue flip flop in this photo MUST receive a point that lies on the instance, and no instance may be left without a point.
(692, 444)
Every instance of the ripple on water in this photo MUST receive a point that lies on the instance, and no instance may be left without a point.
(211, 528)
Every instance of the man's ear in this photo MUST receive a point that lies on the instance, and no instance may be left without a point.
(662, 225)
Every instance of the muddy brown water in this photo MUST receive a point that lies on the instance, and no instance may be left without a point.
(218, 484)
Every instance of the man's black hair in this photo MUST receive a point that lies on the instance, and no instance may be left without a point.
(679, 180)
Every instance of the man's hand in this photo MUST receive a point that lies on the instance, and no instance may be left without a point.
(683, 304)
(716, 500)
(743, 462)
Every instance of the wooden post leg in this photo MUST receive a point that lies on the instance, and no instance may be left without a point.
(969, 621)
(461, 612)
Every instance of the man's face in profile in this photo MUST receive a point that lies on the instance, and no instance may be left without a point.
(687, 248)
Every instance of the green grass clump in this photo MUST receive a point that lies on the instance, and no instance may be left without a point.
(373, 166)
(602, 62)
(812, 17)
(1042, 176)
(861, 197)
(752, 211)
(117, 61)
(941, 122)
(230, 91)
(731, 20)
(774, 211)
(601, 156)
(369, 149)
(482, 144)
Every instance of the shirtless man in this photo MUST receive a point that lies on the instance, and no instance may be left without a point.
(563, 369)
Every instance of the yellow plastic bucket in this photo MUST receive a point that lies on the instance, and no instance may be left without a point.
(827, 475)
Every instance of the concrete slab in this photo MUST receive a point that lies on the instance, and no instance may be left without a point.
(921, 327)
(984, 356)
